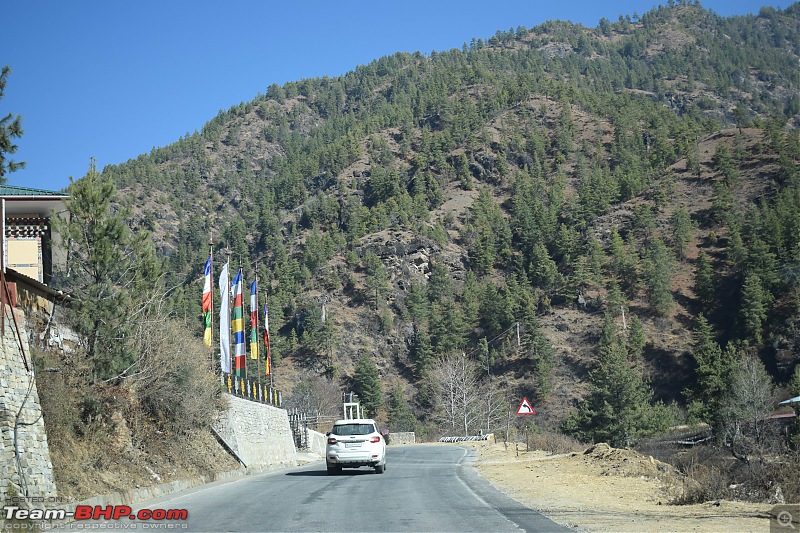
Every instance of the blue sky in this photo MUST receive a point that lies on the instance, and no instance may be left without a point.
(112, 79)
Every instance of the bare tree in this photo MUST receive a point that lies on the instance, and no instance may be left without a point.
(457, 392)
(494, 404)
(316, 394)
(750, 401)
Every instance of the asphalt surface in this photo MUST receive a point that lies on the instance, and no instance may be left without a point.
(424, 489)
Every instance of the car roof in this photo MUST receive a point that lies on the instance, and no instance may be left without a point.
(354, 421)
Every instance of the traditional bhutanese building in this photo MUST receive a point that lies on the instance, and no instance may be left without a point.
(28, 237)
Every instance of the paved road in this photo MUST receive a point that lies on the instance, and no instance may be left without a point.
(424, 488)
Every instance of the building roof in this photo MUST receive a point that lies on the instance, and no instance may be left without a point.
(796, 399)
(19, 277)
(781, 415)
(29, 192)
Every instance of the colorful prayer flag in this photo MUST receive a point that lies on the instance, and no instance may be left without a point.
(237, 324)
(224, 321)
(254, 320)
(267, 355)
(207, 303)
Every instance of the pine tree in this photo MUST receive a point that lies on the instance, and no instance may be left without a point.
(400, 416)
(705, 283)
(10, 129)
(543, 270)
(657, 277)
(484, 355)
(470, 300)
(422, 352)
(736, 252)
(439, 284)
(623, 263)
(681, 225)
(714, 370)
(615, 300)
(463, 172)
(617, 409)
(367, 384)
(497, 310)
(377, 281)
(754, 306)
(762, 262)
(114, 274)
(564, 138)
(446, 326)
(417, 305)
(636, 339)
(542, 355)
(723, 206)
(725, 164)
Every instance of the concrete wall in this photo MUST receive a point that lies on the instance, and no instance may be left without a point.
(403, 438)
(258, 434)
(317, 442)
(35, 479)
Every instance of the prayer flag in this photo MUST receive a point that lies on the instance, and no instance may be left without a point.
(267, 355)
(225, 321)
(237, 324)
(254, 320)
(207, 303)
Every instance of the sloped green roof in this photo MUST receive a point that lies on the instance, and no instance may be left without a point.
(13, 190)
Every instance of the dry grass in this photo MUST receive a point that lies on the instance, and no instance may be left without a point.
(149, 428)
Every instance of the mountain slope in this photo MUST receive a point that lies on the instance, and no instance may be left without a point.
(494, 177)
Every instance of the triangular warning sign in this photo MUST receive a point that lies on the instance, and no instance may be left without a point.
(525, 408)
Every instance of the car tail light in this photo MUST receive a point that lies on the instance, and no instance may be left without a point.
(375, 439)
(331, 440)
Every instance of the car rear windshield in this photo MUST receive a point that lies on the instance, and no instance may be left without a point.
(353, 429)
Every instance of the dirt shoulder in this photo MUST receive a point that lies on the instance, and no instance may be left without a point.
(609, 490)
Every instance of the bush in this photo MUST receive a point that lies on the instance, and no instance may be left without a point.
(173, 387)
(555, 443)
(714, 473)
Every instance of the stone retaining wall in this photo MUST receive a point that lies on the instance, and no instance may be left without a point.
(28, 470)
(259, 435)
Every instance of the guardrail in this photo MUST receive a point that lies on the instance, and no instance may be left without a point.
(488, 436)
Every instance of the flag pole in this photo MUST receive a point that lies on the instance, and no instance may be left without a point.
(211, 255)
(258, 361)
(267, 350)
(241, 267)
(228, 288)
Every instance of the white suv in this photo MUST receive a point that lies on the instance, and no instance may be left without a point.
(354, 443)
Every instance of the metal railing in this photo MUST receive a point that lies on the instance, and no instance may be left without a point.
(301, 421)
(252, 390)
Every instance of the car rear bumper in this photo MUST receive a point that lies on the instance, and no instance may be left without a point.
(353, 459)
(352, 463)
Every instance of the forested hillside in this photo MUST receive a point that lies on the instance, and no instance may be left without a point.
(606, 220)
